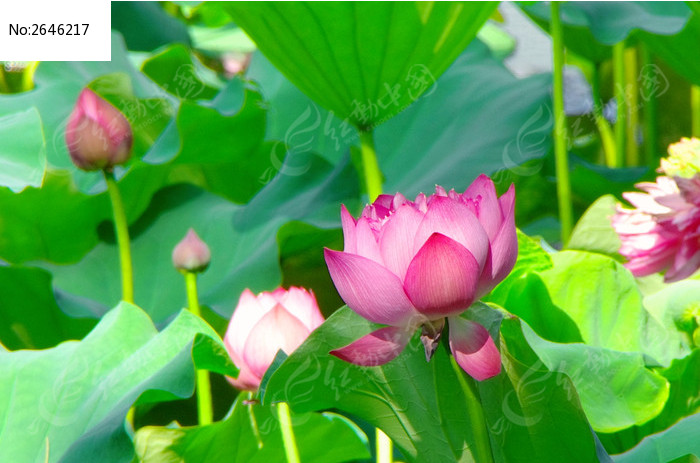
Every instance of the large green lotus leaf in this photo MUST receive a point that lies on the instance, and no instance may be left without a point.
(603, 299)
(29, 316)
(241, 238)
(366, 62)
(70, 401)
(594, 231)
(615, 388)
(432, 410)
(671, 445)
(678, 51)
(235, 440)
(22, 158)
(590, 28)
(684, 400)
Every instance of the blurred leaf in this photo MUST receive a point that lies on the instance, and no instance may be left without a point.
(678, 51)
(241, 238)
(430, 410)
(74, 397)
(677, 441)
(330, 51)
(590, 28)
(29, 316)
(22, 158)
(147, 26)
(234, 440)
(594, 231)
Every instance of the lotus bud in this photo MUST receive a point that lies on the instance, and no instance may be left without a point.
(191, 254)
(98, 135)
(264, 324)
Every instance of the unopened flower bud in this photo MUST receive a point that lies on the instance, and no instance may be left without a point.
(191, 254)
(98, 135)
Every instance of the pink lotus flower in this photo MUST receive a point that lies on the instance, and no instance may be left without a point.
(407, 264)
(663, 232)
(263, 324)
(98, 135)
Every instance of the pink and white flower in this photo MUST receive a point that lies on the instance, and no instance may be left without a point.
(663, 232)
(410, 264)
(262, 325)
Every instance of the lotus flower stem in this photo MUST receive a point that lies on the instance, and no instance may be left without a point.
(122, 230)
(205, 412)
(290, 443)
(566, 213)
(620, 100)
(695, 109)
(253, 420)
(482, 448)
(373, 176)
(385, 448)
(650, 114)
(632, 105)
(607, 138)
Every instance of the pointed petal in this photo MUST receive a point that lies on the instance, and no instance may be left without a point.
(396, 233)
(504, 253)
(441, 279)
(369, 289)
(302, 304)
(454, 220)
(507, 202)
(483, 192)
(278, 329)
(367, 244)
(376, 348)
(473, 349)
(349, 236)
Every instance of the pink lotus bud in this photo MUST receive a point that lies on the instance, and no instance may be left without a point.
(98, 135)
(191, 254)
(408, 264)
(662, 232)
(263, 324)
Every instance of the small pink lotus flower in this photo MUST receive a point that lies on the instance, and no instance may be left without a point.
(98, 135)
(263, 324)
(663, 232)
(191, 254)
(412, 263)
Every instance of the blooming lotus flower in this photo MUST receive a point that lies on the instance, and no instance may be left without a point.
(663, 231)
(408, 264)
(98, 135)
(263, 324)
(191, 254)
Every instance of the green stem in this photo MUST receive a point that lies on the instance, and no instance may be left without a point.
(4, 87)
(607, 138)
(482, 448)
(650, 114)
(205, 410)
(566, 213)
(385, 448)
(28, 76)
(290, 444)
(620, 100)
(695, 110)
(373, 176)
(122, 229)
(253, 420)
(632, 106)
